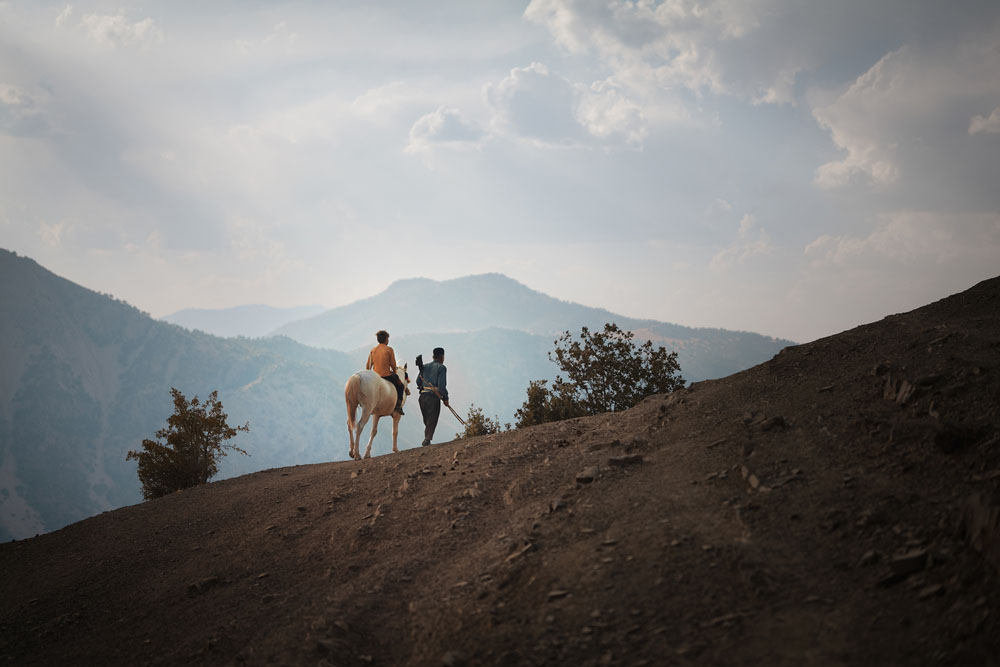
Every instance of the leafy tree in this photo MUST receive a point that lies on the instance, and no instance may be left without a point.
(195, 436)
(605, 371)
(477, 423)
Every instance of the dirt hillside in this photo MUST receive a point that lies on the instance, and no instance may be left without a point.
(835, 505)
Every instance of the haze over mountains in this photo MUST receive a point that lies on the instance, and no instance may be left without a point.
(86, 377)
(493, 301)
(252, 321)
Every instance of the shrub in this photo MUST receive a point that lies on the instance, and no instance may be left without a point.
(605, 371)
(477, 423)
(195, 436)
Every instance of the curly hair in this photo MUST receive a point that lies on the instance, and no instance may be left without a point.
(382, 336)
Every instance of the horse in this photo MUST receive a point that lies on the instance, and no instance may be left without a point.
(376, 397)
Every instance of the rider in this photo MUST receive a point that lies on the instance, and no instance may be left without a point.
(433, 385)
(382, 360)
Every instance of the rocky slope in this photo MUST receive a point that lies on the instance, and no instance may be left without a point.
(835, 505)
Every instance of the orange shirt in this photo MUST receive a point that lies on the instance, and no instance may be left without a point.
(382, 360)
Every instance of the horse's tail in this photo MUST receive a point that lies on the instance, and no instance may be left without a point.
(352, 396)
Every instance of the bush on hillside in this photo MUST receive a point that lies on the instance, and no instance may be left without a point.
(195, 436)
(605, 371)
(477, 423)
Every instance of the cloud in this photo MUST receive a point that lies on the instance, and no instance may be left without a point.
(917, 239)
(913, 98)
(114, 30)
(535, 104)
(445, 127)
(681, 43)
(532, 103)
(20, 113)
(986, 125)
(607, 112)
(747, 246)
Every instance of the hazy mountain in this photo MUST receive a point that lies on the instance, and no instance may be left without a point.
(251, 321)
(474, 303)
(85, 378)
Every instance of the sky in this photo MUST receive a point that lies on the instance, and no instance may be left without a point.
(790, 167)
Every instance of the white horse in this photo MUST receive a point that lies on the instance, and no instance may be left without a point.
(376, 397)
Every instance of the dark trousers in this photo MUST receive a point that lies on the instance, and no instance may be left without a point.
(430, 408)
(394, 379)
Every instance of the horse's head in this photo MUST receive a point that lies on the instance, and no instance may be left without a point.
(405, 377)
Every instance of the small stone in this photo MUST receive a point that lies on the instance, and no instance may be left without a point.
(452, 659)
(772, 423)
(931, 591)
(622, 461)
(557, 594)
(869, 558)
(909, 563)
(587, 475)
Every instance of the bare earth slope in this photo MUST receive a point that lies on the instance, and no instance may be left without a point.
(806, 510)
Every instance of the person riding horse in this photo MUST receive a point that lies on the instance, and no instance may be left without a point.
(382, 360)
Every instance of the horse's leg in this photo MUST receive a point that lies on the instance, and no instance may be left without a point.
(368, 450)
(395, 431)
(351, 410)
(365, 414)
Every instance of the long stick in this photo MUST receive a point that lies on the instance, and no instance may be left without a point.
(438, 394)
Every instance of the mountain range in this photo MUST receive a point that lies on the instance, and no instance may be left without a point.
(86, 377)
(494, 301)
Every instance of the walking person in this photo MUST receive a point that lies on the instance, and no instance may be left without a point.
(382, 360)
(433, 385)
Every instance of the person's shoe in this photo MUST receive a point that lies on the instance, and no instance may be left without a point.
(425, 443)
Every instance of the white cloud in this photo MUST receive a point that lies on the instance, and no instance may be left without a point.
(986, 124)
(65, 15)
(445, 127)
(116, 30)
(607, 112)
(532, 103)
(747, 246)
(383, 100)
(917, 239)
(910, 98)
(535, 104)
(665, 45)
(21, 112)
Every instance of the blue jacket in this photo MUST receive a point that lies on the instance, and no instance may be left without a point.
(434, 373)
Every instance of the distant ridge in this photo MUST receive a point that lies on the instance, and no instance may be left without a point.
(422, 306)
(253, 321)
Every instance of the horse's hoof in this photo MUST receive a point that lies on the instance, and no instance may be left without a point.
(368, 456)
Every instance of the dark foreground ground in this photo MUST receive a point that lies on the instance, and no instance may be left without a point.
(836, 505)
